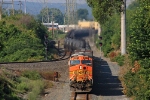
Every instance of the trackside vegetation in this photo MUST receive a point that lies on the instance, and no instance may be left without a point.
(20, 85)
(24, 85)
(137, 78)
(21, 39)
(135, 70)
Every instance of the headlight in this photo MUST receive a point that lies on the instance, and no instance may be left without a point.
(80, 67)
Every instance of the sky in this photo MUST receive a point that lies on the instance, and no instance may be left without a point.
(36, 5)
(51, 1)
(59, 1)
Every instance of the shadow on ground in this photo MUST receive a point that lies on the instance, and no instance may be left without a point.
(103, 82)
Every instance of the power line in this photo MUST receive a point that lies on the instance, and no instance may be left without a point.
(45, 16)
(70, 14)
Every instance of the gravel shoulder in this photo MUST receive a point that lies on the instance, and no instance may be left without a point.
(106, 85)
(60, 90)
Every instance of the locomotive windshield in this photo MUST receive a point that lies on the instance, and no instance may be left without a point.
(74, 62)
(86, 62)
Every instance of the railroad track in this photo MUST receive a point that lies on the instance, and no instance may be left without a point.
(65, 56)
(55, 65)
(80, 96)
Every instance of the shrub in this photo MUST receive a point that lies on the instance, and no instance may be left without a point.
(23, 86)
(112, 55)
(120, 59)
(48, 75)
(37, 87)
(33, 75)
(31, 87)
(48, 84)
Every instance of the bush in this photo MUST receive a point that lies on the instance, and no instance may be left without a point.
(112, 56)
(120, 59)
(37, 86)
(33, 75)
(137, 84)
(23, 86)
(48, 75)
(31, 87)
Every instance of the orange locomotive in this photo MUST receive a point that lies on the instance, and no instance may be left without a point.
(80, 71)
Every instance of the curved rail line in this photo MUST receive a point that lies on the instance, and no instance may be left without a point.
(65, 56)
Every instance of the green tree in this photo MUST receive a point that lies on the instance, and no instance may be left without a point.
(103, 9)
(51, 12)
(82, 14)
(133, 5)
(137, 82)
(139, 47)
(21, 39)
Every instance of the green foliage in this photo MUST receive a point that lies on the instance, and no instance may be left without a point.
(103, 9)
(33, 75)
(7, 88)
(119, 59)
(82, 14)
(21, 39)
(13, 87)
(139, 46)
(23, 86)
(37, 87)
(32, 87)
(137, 83)
(133, 5)
(111, 34)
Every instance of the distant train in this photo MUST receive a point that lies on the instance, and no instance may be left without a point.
(74, 44)
(80, 71)
(74, 40)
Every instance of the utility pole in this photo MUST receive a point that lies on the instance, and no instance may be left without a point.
(25, 8)
(45, 18)
(1, 3)
(20, 4)
(71, 8)
(123, 28)
(52, 25)
(13, 7)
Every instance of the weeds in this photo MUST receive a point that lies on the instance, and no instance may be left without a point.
(117, 57)
(33, 75)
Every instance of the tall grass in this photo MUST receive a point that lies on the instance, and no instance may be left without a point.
(31, 84)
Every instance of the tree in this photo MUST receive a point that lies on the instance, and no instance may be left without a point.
(136, 81)
(53, 13)
(139, 47)
(133, 5)
(21, 40)
(103, 9)
(82, 14)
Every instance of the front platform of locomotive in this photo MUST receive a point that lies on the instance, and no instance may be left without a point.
(80, 71)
